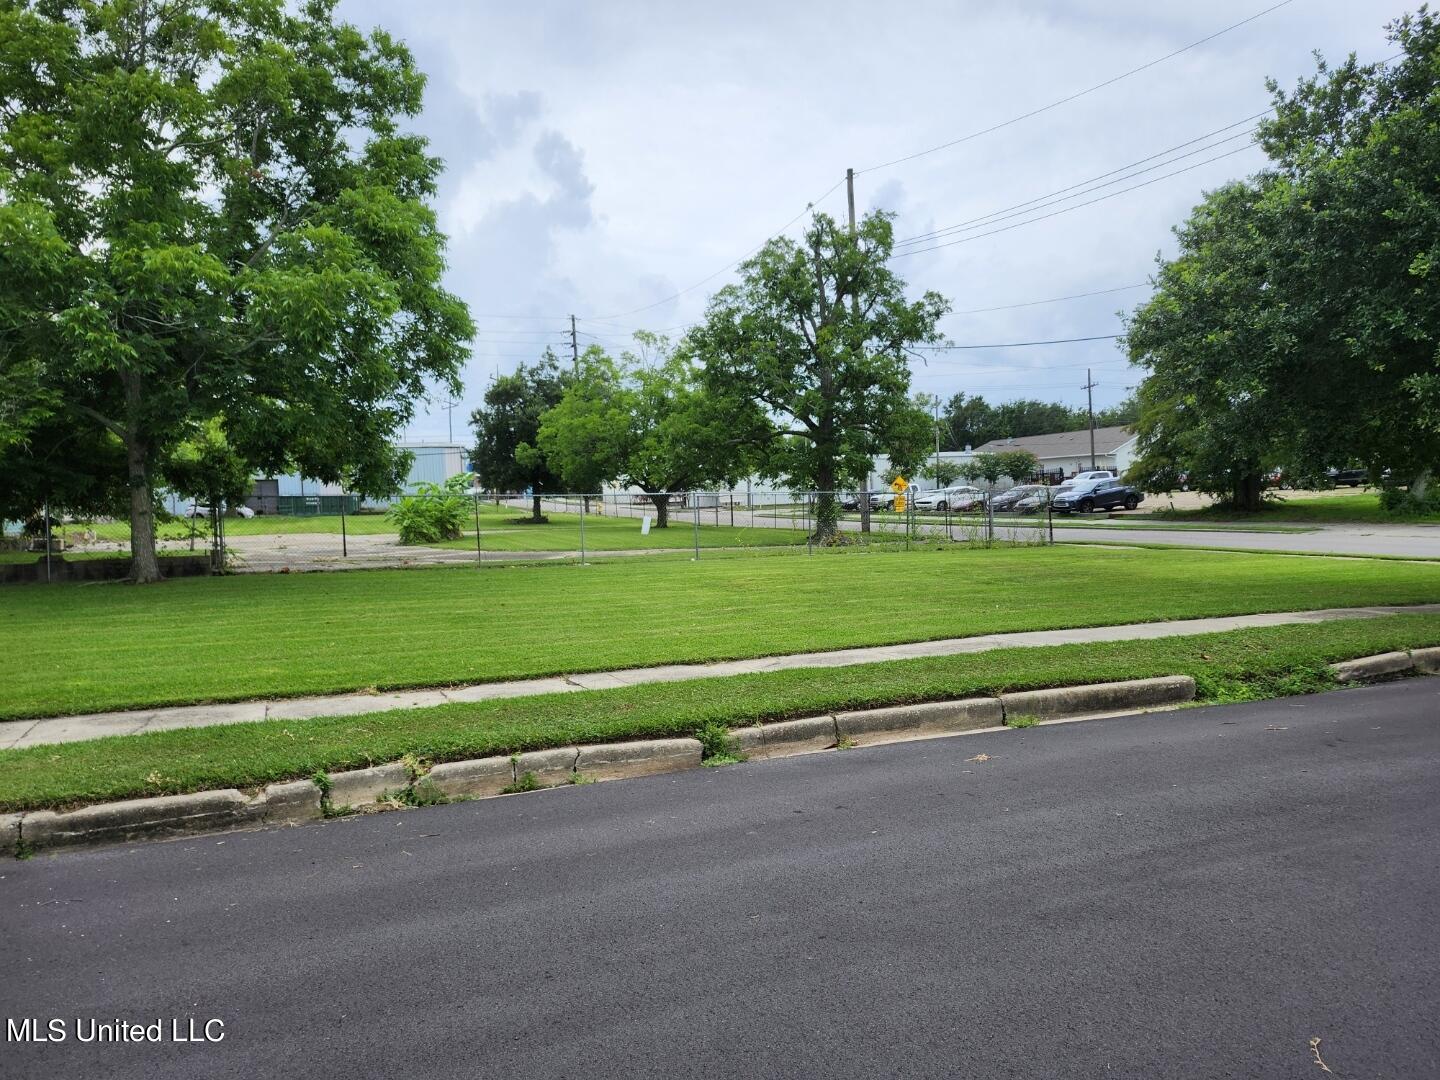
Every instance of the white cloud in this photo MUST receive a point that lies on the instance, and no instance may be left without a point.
(601, 157)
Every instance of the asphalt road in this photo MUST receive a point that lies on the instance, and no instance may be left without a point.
(1194, 894)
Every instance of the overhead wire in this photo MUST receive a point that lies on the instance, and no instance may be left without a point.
(1069, 209)
(1077, 95)
(1051, 199)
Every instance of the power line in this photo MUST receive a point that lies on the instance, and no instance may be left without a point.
(1051, 300)
(1078, 94)
(730, 266)
(1005, 212)
(1019, 344)
(1077, 206)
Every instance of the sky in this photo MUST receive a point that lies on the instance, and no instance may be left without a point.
(614, 161)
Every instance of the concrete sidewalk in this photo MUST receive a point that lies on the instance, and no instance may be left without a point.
(20, 733)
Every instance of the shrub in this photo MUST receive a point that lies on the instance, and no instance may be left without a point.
(430, 515)
(1398, 500)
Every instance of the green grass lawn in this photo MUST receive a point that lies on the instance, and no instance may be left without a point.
(89, 647)
(501, 529)
(1227, 667)
(1353, 508)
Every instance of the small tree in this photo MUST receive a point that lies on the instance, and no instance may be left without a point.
(507, 430)
(651, 424)
(943, 472)
(988, 467)
(1018, 465)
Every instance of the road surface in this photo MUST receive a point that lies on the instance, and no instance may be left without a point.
(1192, 894)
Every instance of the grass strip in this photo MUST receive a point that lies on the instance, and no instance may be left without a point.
(75, 648)
(1231, 666)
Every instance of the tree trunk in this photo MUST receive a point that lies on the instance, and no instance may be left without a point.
(535, 515)
(144, 564)
(662, 509)
(1249, 488)
(1419, 486)
(827, 508)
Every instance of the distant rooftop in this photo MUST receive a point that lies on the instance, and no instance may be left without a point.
(1063, 443)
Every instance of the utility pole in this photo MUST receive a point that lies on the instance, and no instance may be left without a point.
(575, 344)
(935, 414)
(850, 196)
(1090, 385)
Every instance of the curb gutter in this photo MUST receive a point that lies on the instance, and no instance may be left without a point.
(1388, 665)
(397, 784)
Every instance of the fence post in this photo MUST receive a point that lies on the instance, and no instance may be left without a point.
(583, 501)
(989, 523)
(478, 558)
(809, 533)
(344, 540)
(696, 508)
(46, 511)
(1050, 521)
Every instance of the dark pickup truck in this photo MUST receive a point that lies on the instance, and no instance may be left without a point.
(1106, 495)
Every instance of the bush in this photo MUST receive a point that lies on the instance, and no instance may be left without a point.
(430, 515)
(1397, 500)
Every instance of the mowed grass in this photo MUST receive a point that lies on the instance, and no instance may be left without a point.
(91, 647)
(502, 529)
(1353, 508)
(1227, 667)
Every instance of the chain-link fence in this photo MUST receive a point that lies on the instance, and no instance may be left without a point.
(484, 529)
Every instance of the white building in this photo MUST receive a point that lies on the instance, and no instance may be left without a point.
(1069, 452)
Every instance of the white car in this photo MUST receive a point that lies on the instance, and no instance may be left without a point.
(200, 510)
(950, 498)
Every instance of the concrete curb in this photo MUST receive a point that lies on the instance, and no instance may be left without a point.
(787, 737)
(1380, 666)
(548, 767)
(134, 819)
(288, 804)
(1099, 697)
(615, 761)
(1427, 661)
(362, 787)
(479, 778)
(932, 718)
(300, 800)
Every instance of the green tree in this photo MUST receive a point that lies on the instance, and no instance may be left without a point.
(967, 422)
(1018, 465)
(1216, 401)
(1299, 327)
(508, 457)
(650, 423)
(242, 230)
(943, 472)
(809, 352)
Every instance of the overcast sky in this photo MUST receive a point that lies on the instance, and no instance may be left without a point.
(602, 158)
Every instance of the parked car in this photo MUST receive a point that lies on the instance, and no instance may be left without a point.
(1091, 476)
(851, 500)
(1036, 500)
(1350, 477)
(1009, 501)
(950, 498)
(1105, 495)
(200, 510)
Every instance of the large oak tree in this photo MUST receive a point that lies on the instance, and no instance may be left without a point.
(233, 234)
(811, 351)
